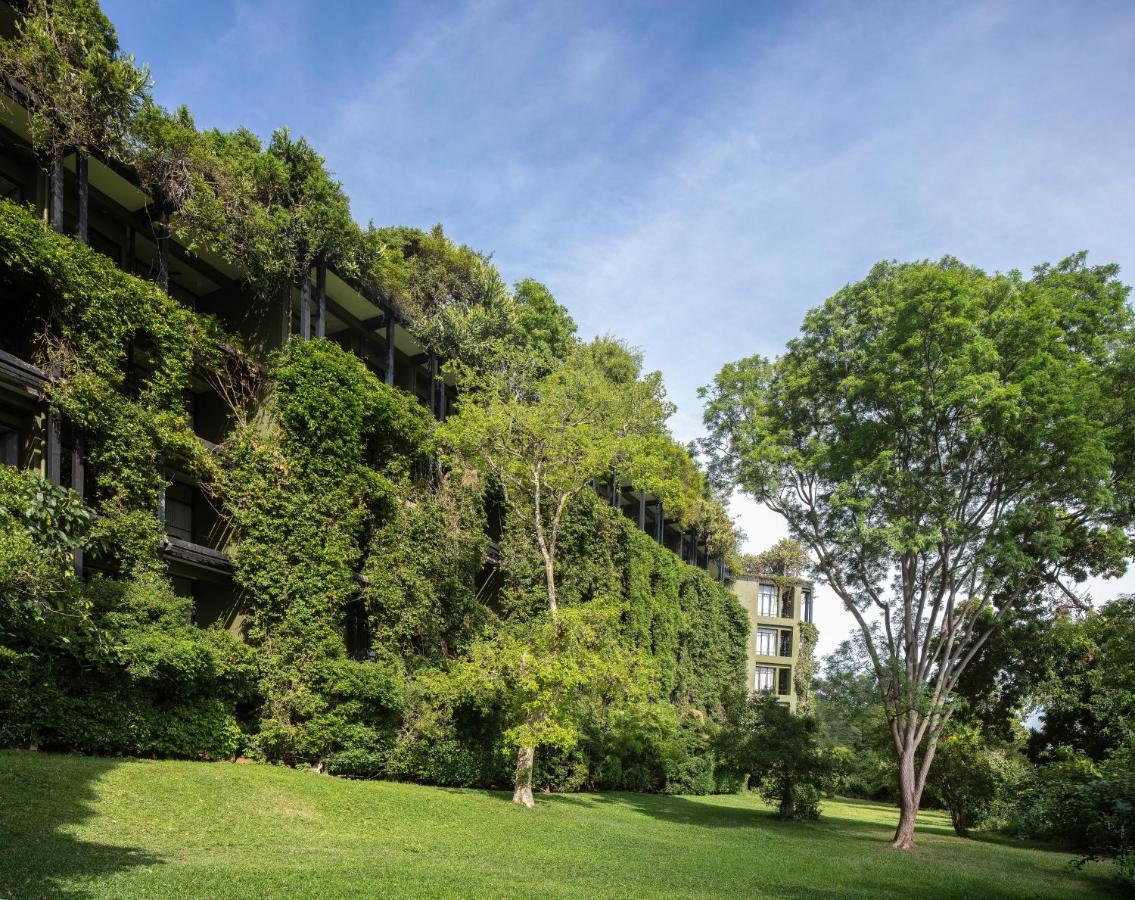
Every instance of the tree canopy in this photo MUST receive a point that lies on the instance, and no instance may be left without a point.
(950, 446)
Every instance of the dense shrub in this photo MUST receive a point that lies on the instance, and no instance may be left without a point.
(1090, 806)
(137, 678)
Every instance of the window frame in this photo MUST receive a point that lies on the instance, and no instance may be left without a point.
(766, 593)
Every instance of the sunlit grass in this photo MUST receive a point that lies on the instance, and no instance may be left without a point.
(100, 827)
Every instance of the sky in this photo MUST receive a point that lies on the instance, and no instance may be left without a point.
(691, 177)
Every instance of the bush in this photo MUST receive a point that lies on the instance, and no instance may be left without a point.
(971, 779)
(1089, 806)
(137, 679)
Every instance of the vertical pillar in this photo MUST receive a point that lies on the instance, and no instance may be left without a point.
(390, 349)
(681, 544)
(131, 250)
(659, 523)
(163, 249)
(77, 486)
(54, 450)
(162, 502)
(321, 300)
(642, 510)
(84, 196)
(54, 436)
(305, 303)
(433, 384)
(615, 499)
(55, 194)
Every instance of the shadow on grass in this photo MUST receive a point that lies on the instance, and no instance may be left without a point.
(40, 802)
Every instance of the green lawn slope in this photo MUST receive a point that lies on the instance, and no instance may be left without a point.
(79, 826)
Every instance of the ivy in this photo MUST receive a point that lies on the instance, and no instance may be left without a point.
(102, 320)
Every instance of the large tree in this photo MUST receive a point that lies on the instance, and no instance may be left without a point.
(951, 446)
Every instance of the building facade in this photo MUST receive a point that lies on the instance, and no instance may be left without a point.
(102, 205)
(776, 607)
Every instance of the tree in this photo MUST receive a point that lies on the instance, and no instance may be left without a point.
(787, 558)
(1086, 688)
(82, 92)
(779, 752)
(544, 442)
(969, 776)
(551, 677)
(966, 438)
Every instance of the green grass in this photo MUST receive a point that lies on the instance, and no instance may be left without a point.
(80, 826)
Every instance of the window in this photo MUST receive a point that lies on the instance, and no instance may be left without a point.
(766, 679)
(766, 641)
(786, 643)
(11, 190)
(766, 600)
(784, 682)
(786, 603)
(9, 446)
(179, 510)
(807, 600)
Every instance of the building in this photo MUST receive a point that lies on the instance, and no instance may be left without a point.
(101, 204)
(776, 607)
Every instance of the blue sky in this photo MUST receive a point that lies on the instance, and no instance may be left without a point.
(690, 176)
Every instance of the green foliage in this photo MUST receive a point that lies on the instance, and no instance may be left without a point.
(1072, 800)
(778, 750)
(973, 780)
(83, 90)
(805, 672)
(1086, 687)
(421, 570)
(966, 431)
(131, 422)
(41, 524)
(135, 677)
(274, 211)
(312, 471)
(541, 321)
(787, 558)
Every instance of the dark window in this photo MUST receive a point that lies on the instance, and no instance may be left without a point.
(179, 510)
(786, 603)
(9, 446)
(11, 190)
(358, 631)
(104, 245)
(784, 682)
(786, 643)
(807, 599)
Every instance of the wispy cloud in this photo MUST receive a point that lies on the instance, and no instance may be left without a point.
(692, 177)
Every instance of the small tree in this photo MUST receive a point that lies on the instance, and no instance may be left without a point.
(779, 752)
(969, 776)
(967, 438)
(82, 91)
(550, 677)
(543, 442)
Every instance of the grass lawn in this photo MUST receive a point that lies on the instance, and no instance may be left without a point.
(80, 826)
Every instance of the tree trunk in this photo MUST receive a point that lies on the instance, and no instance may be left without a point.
(525, 758)
(909, 797)
(959, 819)
(550, 579)
(787, 800)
